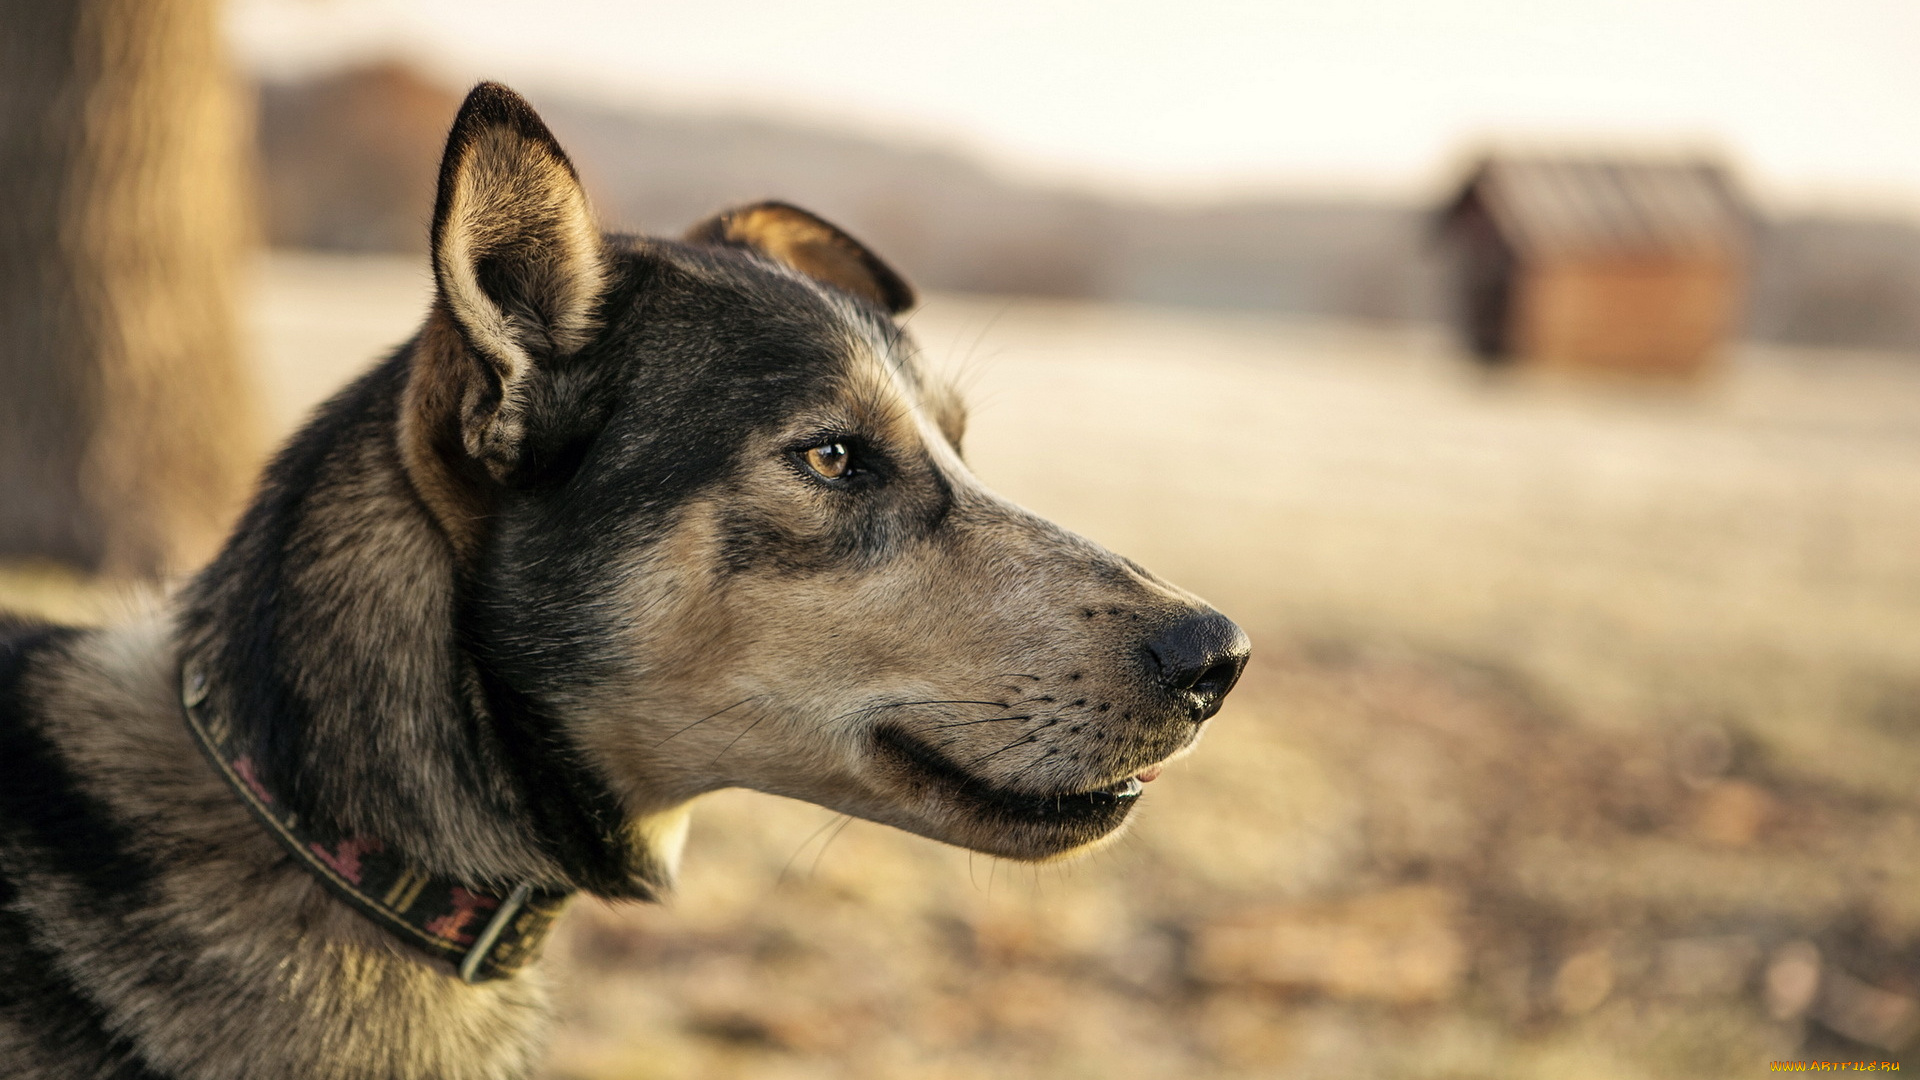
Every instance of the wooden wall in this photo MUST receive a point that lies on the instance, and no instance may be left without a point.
(1646, 316)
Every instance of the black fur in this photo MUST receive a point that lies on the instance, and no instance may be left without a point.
(70, 1029)
(257, 620)
(46, 820)
(49, 826)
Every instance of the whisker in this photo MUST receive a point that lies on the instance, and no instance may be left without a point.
(837, 819)
(737, 738)
(845, 820)
(970, 723)
(706, 718)
(883, 706)
(1021, 741)
(1035, 765)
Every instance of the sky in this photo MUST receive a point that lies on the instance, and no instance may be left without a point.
(1817, 102)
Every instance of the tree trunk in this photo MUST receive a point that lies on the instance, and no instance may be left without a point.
(125, 436)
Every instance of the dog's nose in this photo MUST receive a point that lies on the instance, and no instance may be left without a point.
(1201, 656)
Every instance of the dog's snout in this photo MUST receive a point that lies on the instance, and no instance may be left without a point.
(1201, 656)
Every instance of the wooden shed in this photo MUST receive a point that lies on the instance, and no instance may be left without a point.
(1636, 266)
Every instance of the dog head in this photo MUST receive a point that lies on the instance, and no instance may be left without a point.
(715, 527)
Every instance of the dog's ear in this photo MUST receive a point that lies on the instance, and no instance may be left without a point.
(816, 248)
(518, 263)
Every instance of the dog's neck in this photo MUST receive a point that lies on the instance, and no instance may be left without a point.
(201, 947)
(484, 935)
(330, 632)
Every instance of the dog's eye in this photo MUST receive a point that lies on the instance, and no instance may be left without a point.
(829, 461)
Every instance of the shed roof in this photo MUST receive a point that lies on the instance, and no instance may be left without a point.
(1565, 206)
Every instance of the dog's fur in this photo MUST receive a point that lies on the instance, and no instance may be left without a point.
(513, 599)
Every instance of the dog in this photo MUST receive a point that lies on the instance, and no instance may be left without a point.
(627, 521)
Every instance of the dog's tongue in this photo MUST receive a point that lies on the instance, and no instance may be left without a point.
(1146, 776)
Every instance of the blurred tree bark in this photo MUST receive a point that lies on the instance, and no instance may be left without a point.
(125, 434)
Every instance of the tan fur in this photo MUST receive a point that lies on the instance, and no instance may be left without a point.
(512, 199)
(797, 239)
(431, 443)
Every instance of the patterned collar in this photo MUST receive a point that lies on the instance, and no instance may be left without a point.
(483, 934)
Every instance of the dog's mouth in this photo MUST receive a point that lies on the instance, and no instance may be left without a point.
(1084, 814)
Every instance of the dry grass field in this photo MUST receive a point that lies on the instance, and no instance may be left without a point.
(1579, 741)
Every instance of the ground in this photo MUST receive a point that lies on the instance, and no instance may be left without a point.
(1578, 740)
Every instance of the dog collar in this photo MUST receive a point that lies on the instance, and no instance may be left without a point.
(483, 934)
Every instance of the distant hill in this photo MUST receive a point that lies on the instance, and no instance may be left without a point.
(943, 219)
(1838, 281)
(348, 164)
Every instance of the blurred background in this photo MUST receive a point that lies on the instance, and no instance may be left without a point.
(1538, 383)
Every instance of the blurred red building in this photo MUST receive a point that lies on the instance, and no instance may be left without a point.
(1636, 266)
